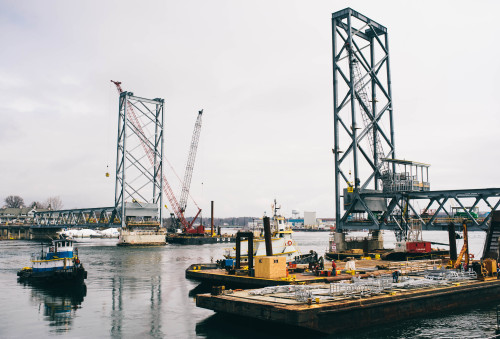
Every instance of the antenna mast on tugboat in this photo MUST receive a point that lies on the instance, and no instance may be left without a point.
(275, 214)
(276, 208)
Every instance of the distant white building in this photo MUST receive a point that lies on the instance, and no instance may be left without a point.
(255, 223)
(310, 219)
(22, 215)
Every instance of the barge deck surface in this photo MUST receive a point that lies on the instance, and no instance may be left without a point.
(210, 274)
(341, 313)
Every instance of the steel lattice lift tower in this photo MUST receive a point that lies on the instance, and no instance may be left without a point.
(362, 107)
(373, 189)
(139, 158)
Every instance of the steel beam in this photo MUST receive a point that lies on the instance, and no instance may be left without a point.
(357, 120)
(99, 217)
(391, 220)
(139, 158)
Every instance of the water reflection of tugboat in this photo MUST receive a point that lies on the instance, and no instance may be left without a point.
(58, 263)
(59, 303)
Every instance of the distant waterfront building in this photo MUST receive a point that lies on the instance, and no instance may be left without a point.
(310, 219)
(10, 215)
(22, 215)
(298, 222)
(255, 224)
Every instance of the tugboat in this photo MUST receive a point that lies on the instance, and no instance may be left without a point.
(282, 241)
(58, 263)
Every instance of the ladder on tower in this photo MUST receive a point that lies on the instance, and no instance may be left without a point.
(373, 137)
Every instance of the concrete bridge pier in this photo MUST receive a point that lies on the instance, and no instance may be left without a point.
(374, 241)
(44, 233)
(15, 232)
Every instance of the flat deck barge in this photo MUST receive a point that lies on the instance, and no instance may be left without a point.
(173, 238)
(211, 274)
(338, 307)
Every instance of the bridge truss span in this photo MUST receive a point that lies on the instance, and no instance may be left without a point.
(102, 217)
(435, 210)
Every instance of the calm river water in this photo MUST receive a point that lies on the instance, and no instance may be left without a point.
(142, 292)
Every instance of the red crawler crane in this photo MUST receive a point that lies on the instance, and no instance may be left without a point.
(178, 211)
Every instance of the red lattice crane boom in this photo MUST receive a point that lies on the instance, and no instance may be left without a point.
(188, 173)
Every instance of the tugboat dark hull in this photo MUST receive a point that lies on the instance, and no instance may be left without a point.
(74, 275)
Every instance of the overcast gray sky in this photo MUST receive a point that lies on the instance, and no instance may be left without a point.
(261, 70)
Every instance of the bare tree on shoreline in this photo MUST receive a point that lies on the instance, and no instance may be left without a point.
(54, 203)
(14, 201)
(38, 205)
